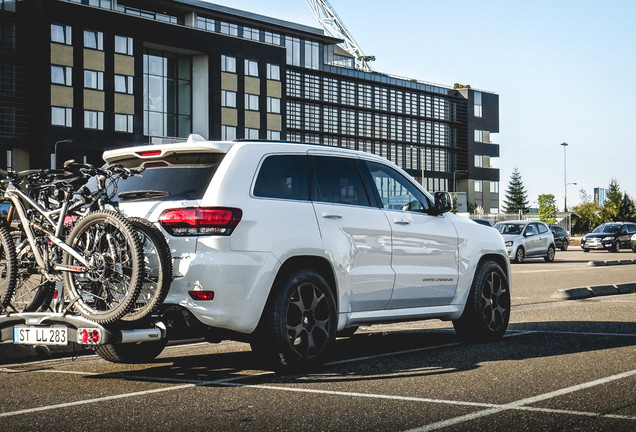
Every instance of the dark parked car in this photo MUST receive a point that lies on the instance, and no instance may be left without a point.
(611, 236)
(484, 222)
(561, 237)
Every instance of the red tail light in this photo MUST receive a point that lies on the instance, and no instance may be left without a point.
(201, 295)
(191, 221)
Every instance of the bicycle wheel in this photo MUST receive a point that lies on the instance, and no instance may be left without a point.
(157, 274)
(33, 291)
(111, 283)
(8, 267)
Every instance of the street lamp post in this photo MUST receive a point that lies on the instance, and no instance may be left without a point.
(565, 181)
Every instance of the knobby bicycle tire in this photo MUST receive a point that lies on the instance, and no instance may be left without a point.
(157, 274)
(33, 291)
(8, 267)
(112, 282)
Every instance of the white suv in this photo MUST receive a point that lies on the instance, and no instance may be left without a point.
(287, 245)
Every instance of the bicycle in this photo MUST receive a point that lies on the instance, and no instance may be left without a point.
(98, 258)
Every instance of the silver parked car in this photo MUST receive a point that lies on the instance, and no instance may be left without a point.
(527, 239)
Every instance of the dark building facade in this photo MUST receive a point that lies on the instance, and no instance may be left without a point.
(78, 77)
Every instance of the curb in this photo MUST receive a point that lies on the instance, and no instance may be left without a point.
(594, 291)
(612, 262)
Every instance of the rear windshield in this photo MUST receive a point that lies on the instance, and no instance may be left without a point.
(181, 177)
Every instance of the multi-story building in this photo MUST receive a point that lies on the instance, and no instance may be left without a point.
(81, 76)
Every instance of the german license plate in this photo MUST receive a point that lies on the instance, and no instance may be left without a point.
(30, 335)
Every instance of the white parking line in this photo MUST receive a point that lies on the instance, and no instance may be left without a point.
(520, 404)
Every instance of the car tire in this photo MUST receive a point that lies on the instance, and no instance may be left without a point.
(549, 257)
(487, 311)
(520, 255)
(617, 246)
(299, 324)
(586, 250)
(565, 245)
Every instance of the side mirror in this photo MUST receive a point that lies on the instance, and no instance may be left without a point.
(443, 202)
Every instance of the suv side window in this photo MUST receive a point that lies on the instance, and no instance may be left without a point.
(338, 181)
(283, 176)
(395, 191)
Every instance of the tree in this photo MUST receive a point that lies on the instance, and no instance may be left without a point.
(589, 217)
(627, 209)
(613, 203)
(547, 208)
(516, 195)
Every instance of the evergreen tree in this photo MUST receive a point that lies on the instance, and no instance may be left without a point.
(516, 195)
(547, 208)
(627, 210)
(613, 203)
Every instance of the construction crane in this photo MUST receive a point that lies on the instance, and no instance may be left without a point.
(333, 26)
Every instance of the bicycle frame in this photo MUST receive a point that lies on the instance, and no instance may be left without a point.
(17, 197)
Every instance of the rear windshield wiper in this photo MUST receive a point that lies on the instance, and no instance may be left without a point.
(142, 194)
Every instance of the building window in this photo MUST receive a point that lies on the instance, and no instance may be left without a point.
(381, 99)
(62, 75)
(123, 84)
(293, 84)
(61, 116)
(7, 5)
(94, 40)
(293, 50)
(272, 38)
(312, 55)
(348, 93)
(479, 136)
(312, 87)
(7, 79)
(494, 187)
(273, 72)
(7, 36)
(364, 95)
(229, 29)
(330, 90)
(294, 115)
(312, 117)
(94, 120)
(330, 120)
(273, 105)
(228, 64)
(479, 161)
(94, 79)
(205, 23)
(251, 68)
(273, 135)
(478, 185)
(167, 94)
(251, 102)
(228, 98)
(478, 108)
(251, 33)
(251, 133)
(124, 123)
(61, 34)
(228, 133)
(123, 45)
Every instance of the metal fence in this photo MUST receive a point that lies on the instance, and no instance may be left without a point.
(562, 219)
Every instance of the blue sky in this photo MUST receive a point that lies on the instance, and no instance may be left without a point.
(564, 70)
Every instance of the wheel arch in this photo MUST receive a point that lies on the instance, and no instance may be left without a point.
(304, 262)
(503, 262)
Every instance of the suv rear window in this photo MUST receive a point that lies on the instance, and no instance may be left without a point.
(178, 176)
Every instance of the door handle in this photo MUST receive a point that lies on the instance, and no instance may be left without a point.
(327, 215)
(401, 221)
